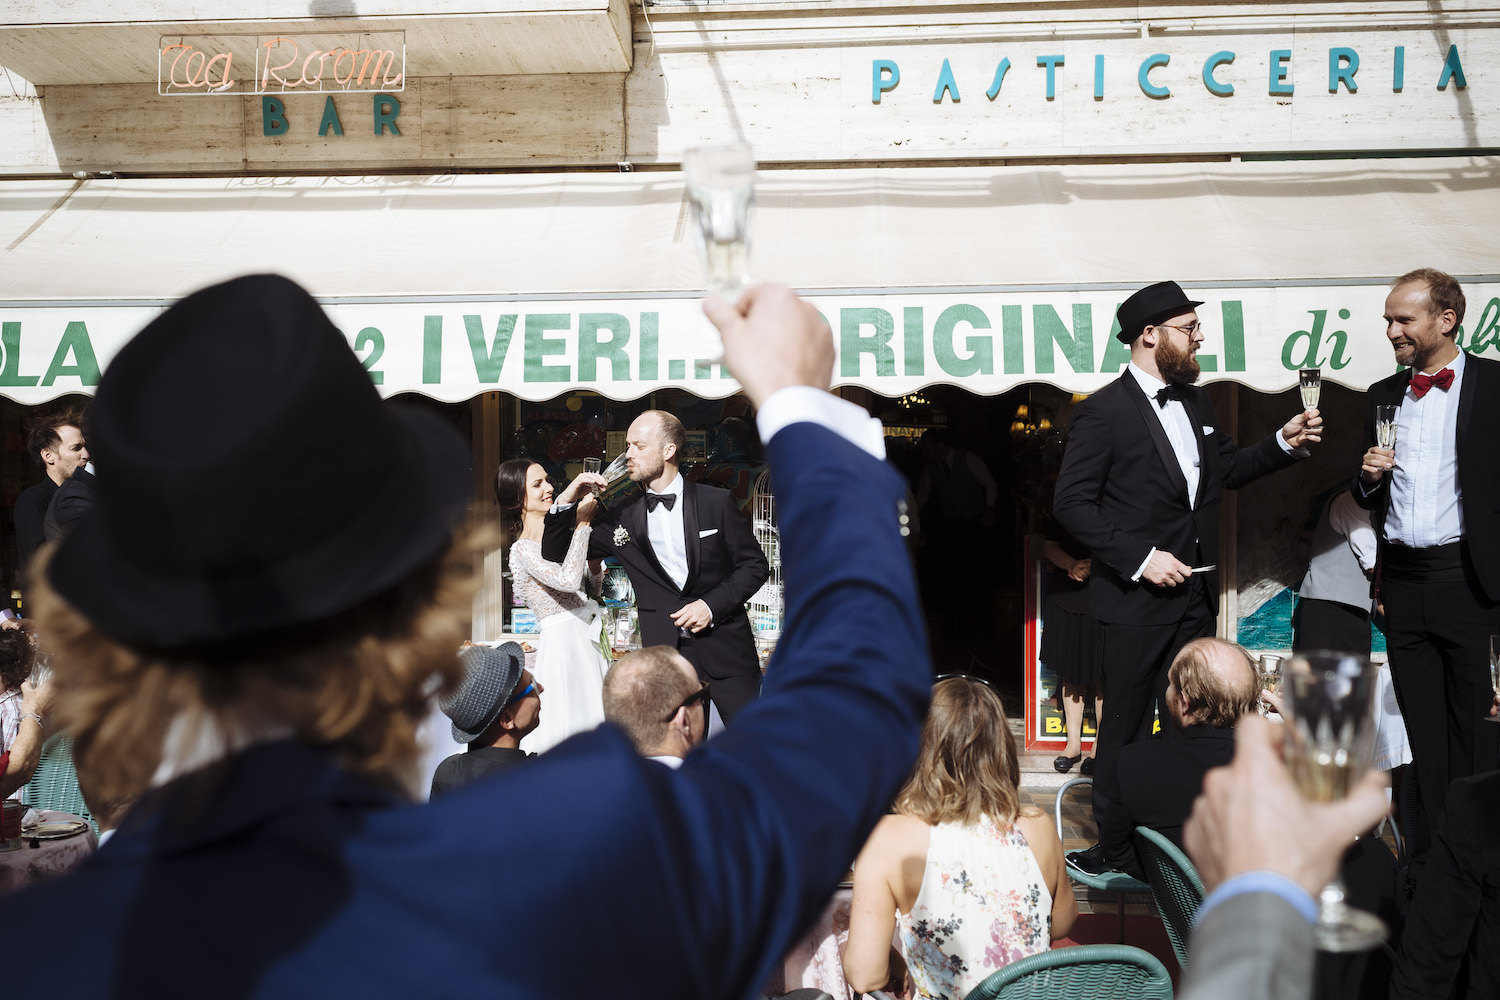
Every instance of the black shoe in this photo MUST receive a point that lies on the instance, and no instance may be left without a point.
(1087, 767)
(1090, 861)
(1065, 764)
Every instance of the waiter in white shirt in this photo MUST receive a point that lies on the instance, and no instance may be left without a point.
(1436, 501)
(692, 560)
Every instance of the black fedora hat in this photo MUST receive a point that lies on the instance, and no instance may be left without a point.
(491, 674)
(1151, 305)
(250, 477)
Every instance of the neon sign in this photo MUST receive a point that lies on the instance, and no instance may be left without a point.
(315, 63)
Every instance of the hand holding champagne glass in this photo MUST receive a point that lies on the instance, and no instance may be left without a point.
(1310, 381)
(1329, 743)
(1268, 672)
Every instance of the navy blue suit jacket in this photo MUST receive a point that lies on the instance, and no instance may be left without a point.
(590, 872)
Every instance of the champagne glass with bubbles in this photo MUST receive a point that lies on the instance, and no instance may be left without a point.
(1386, 416)
(1268, 672)
(1329, 743)
(1310, 382)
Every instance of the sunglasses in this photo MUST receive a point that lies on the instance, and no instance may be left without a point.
(698, 697)
(528, 689)
(961, 677)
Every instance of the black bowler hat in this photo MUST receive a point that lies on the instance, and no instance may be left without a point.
(251, 478)
(1150, 306)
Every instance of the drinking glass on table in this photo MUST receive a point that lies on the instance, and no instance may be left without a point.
(1385, 424)
(1494, 675)
(1310, 381)
(720, 182)
(1329, 743)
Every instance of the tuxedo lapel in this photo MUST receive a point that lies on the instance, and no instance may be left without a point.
(1195, 404)
(690, 533)
(1145, 405)
(640, 535)
(1467, 392)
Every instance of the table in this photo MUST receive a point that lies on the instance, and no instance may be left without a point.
(48, 859)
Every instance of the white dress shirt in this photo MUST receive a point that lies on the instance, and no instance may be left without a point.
(1178, 424)
(1426, 503)
(664, 528)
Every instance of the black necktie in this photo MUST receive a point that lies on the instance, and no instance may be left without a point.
(1167, 392)
(667, 499)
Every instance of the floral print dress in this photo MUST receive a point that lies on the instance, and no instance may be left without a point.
(983, 904)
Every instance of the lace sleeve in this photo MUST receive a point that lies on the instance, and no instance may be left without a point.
(567, 577)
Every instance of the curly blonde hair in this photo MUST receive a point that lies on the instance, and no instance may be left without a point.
(967, 765)
(357, 682)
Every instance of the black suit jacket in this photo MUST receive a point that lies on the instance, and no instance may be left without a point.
(1478, 468)
(30, 510)
(1159, 779)
(1456, 910)
(725, 567)
(1121, 493)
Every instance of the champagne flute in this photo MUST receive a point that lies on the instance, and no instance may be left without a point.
(1329, 743)
(1385, 424)
(720, 182)
(1494, 675)
(592, 465)
(1310, 380)
(1268, 672)
(614, 472)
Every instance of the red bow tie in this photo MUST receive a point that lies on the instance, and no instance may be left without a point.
(1420, 382)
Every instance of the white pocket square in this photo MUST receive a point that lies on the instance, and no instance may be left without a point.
(710, 531)
(1207, 430)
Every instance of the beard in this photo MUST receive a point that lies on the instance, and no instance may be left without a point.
(1176, 367)
(642, 474)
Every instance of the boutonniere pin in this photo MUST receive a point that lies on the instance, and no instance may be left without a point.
(622, 537)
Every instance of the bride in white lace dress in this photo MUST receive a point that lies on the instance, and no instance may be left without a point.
(569, 666)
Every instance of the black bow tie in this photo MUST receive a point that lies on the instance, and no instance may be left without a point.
(1167, 392)
(666, 499)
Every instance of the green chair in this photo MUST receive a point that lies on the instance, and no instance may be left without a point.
(55, 783)
(1175, 886)
(1086, 972)
(1118, 883)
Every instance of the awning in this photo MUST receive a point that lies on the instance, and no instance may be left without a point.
(984, 277)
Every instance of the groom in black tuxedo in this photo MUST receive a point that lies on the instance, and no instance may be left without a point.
(692, 560)
(1141, 482)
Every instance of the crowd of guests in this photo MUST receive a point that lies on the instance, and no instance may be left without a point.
(243, 685)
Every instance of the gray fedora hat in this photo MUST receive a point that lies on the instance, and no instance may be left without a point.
(491, 674)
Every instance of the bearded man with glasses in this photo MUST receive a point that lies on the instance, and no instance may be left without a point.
(1141, 482)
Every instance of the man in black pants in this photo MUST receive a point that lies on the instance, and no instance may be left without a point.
(1141, 481)
(1436, 501)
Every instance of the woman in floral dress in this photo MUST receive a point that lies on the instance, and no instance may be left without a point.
(569, 665)
(971, 879)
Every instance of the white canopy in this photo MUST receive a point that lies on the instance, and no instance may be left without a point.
(979, 276)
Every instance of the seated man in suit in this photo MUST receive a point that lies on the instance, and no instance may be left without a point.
(655, 696)
(1210, 684)
(255, 670)
(497, 704)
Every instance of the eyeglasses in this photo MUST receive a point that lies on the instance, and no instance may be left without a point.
(699, 696)
(528, 689)
(1191, 329)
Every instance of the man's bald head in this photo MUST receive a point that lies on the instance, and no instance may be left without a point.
(642, 693)
(1211, 683)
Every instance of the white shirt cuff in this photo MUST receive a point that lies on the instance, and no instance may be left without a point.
(802, 403)
(1137, 577)
(1286, 447)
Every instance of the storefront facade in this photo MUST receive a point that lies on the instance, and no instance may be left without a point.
(494, 216)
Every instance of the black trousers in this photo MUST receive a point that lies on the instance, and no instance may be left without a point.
(1136, 658)
(1438, 628)
(1331, 625)
(729, 694)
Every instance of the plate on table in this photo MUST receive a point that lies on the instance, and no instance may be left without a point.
(56, 830)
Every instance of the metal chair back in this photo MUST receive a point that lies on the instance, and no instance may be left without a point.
(1085, 972)
(1175, 886)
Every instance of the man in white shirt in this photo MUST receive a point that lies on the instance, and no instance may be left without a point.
(1435, 497)
(1141, 484)
(655, 696)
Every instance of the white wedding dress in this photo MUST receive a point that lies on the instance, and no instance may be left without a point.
(568, 661)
